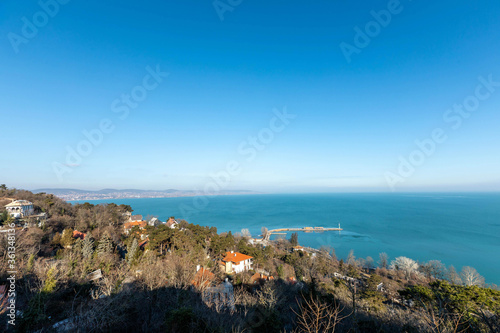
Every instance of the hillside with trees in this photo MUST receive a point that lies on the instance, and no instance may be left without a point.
(80, 271)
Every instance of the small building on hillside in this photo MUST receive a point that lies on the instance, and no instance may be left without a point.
(203, 278)
(37, 219)
(172, 223)
(78, 234)
(255, 241)
(129, 225)
(142, 245)
(260, 278)
(220, 296)
(154, 222)
(235, 262)
(298, 248)
(20, 208)
(135, 218)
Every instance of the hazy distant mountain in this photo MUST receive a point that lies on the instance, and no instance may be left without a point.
(77, 194)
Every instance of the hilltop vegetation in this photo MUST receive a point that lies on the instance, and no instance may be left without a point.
(147, 283)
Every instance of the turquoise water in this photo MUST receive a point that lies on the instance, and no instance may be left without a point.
(458, 229)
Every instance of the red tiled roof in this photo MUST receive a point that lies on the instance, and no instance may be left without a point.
(130, 225)
(257, 277)
(203, 277)
(171, 222)
(236, 257)
(78, 234)
(143, 243)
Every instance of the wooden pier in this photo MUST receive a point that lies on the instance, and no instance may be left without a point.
(304, 229)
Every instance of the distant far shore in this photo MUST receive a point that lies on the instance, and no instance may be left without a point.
(106, 194)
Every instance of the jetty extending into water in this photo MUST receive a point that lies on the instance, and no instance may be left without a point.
(304, 229)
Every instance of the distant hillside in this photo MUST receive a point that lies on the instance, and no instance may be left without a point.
(77, 194)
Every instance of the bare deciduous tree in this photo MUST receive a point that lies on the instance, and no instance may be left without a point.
(110, 283)
(439, 320)
(351, 259)
(406, 265)
(369, 263)
(154, 272)
(470, 277)
(246, 233)
(383, 260)
(316, 316)
(452, 275)
(264, 232)
(268, 296)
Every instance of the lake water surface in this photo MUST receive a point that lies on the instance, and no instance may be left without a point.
(458, 229)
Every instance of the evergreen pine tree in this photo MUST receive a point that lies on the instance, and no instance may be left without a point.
(67, 238)
(78, 246)
(105, 245)
(88, 247)
(132, 251)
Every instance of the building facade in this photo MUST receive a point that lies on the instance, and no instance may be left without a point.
(235, 262)
(20, 208)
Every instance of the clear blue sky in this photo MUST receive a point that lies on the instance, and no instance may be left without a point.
(353, 119)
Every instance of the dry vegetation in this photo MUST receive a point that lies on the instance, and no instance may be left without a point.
(149, 289)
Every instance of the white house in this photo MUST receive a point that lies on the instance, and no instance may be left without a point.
(172, 223)
(154, 222)
(236, 262)
(135, 218)
(20, 208)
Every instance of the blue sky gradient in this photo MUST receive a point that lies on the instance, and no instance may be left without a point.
(354, 120)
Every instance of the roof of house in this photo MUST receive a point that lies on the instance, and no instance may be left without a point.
(136, 218)
(258, 277)
(171, 222)
(78, 234)
(298, 247)
(17, 203)
(235, 257)
(202, 278)
(143, 243)
(130, 225)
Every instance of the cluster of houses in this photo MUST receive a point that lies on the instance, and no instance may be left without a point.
(221, 295)
(137, 221)
(218, 294)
